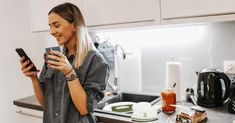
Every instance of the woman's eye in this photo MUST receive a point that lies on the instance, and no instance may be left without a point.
(57, 26)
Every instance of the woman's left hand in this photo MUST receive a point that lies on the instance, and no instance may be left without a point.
(59, 61)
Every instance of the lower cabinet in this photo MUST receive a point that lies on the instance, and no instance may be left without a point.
(26, 115)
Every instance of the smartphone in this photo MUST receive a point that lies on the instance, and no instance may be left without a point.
(21, 53)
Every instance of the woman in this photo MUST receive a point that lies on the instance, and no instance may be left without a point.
(70, 83)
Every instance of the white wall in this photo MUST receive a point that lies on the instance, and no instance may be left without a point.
(15, 32)
(188, 44)
(193, 56)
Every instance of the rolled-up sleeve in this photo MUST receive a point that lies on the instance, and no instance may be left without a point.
(42, 78)
(95, 84)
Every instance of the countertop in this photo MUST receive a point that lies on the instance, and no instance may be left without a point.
(215, 115)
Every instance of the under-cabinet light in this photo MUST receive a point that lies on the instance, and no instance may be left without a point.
(156, 37)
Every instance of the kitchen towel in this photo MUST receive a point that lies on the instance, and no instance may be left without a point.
(173, 75)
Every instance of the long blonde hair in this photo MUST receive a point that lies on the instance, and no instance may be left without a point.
(72, 14)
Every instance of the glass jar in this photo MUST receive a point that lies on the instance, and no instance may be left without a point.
(168, 96)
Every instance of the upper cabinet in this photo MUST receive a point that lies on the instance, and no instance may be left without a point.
(188, 9)
(38, 10)
(113, 12)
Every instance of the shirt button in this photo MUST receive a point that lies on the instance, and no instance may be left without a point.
(56, 114)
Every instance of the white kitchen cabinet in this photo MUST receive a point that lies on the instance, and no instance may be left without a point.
(26, 115)
(207, 9)
(114, 12)
(38, 10)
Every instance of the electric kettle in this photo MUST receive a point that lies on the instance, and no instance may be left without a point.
(212, 88)
(231, 101)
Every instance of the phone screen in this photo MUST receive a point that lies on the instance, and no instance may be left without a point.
(21, 53)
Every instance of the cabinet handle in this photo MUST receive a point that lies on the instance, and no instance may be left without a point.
(24, 113)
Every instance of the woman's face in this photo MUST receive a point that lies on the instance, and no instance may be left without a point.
(60, 28)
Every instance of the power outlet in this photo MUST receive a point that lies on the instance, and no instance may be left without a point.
(229, 67)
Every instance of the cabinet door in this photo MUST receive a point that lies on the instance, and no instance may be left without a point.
(26, 115)
(39, 9)
(173, 9)
(109, 12)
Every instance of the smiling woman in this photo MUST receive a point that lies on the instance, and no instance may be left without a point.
(60, 28)
(72, 82)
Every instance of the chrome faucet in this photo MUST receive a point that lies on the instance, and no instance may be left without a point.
(114, 85)
(123, 51)
(110, 53)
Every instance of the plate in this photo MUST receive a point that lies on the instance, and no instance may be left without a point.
(144, 112)
(124, 107)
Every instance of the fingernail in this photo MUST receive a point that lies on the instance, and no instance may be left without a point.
(31, 65)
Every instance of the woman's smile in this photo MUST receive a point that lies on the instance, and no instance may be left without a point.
(58, 37)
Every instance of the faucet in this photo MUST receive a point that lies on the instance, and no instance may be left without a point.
(123, 51)
(114, 85)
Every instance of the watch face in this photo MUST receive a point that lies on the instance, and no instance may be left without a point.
(73, 76)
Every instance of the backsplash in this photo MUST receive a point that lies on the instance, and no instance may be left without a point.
(192, 45)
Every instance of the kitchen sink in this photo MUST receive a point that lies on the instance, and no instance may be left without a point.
(125, 97)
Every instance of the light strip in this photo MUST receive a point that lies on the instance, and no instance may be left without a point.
(156, 37)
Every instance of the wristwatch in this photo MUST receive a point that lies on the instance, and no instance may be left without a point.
(71, 77)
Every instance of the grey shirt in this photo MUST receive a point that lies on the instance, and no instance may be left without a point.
(59, 107)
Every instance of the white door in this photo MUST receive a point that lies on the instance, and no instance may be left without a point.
(196, 8)
(108, 12)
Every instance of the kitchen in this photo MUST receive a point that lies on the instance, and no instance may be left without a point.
(22, 29)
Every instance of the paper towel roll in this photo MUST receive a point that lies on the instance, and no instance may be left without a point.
(173, 75)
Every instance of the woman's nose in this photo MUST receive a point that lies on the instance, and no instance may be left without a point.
(53, 31)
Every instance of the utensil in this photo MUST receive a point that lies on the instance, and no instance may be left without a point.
(196, 108)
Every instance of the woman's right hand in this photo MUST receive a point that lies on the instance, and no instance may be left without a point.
(26, 70)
